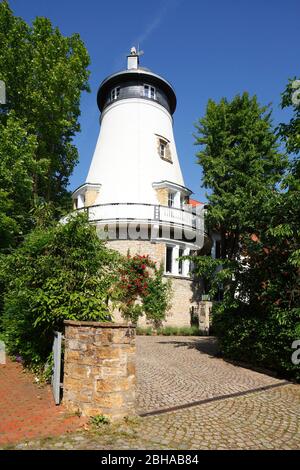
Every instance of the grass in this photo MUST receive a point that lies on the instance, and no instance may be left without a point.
(169, 331)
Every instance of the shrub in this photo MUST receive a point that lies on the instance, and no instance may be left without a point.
(170, 331)
(63, 272)
(261, 338)
(189, 331)
(142, 290)
(179, 331)
(148, 331)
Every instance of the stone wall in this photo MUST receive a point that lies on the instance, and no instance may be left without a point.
(90, 197)
(204, 316)
(183, 298)
(162, 196)
(99, 369)
(156, 251)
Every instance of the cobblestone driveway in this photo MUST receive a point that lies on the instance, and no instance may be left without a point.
(174, 371)
(260, 420)
(179, 371)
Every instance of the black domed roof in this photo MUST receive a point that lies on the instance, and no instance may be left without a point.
(138, 74)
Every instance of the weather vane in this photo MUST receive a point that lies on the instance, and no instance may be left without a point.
(134, 51)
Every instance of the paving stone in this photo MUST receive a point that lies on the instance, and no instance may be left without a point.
(268, 419)
(28, 410)
(172, 371)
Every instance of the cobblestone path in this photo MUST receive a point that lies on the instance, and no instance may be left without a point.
(181, 372)
(173, 371)
(261, 420)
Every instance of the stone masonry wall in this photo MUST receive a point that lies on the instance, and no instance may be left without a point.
(162, 196)
(183, 298)
(204, 316)
(90, 197)
(156, 251)
(99, 369)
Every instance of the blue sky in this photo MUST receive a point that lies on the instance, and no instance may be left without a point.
(205, 48)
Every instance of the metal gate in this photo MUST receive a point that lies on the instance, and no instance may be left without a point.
(56, 371)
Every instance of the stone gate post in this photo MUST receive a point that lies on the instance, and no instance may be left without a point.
(204, 316)
(99, 368)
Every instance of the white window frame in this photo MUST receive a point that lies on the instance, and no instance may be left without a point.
(115, 93)
(162, 149)
(149, 91)
(171, 199)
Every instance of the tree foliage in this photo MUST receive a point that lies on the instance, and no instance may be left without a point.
(254, 205)
(44, 73)
(17, 164)
(241, 165)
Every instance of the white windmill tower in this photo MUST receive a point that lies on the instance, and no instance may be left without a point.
(134, 185)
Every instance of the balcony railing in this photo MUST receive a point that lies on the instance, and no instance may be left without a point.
(144, 212)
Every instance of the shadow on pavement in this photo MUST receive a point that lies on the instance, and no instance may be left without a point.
(204, 344)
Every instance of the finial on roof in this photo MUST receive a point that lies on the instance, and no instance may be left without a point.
(133, 59)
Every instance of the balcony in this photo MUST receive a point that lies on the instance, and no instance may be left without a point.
(154, 214)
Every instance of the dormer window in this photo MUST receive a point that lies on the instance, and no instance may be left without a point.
(149, 92)
(115, 93)
(163, 147)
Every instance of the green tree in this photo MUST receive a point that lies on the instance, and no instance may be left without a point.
(241, 166)
(290, 135)
(290, 132)
(17, 165)
(254, 205)
(45, 74)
